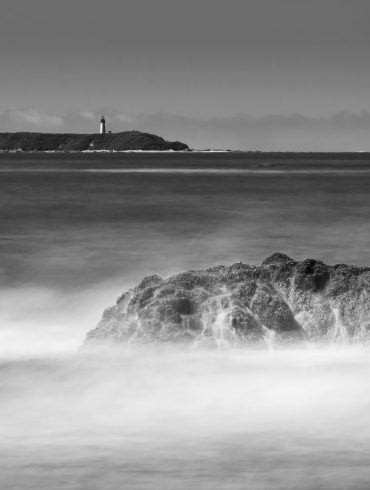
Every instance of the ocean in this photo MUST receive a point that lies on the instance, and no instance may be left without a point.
(77, 230)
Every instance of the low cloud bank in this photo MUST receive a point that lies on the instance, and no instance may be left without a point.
(29, 120)
(344, 131)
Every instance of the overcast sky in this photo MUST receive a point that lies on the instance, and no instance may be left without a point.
(270, 74)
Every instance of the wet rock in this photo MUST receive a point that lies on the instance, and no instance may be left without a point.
(272, 311)
(282, 299)
(311, 275)
(278, 258)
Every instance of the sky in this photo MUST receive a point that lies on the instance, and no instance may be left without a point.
(240, 74)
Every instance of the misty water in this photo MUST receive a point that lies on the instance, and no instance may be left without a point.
(76, 231)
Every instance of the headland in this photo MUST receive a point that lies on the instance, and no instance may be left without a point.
(74, 142)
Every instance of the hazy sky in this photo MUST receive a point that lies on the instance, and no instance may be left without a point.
(212, 69)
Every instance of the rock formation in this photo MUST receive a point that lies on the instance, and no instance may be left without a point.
(281, 300)
(127, 140)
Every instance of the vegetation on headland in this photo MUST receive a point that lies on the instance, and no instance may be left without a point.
(124, 141)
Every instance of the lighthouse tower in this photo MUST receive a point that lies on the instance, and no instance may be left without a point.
(102, 125)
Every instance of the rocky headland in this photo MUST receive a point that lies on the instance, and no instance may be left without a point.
(124, 141)
(280, 301)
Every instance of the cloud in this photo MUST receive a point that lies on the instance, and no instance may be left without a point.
(88, 115)
(123, 118)
(30, 119)
(343, 131)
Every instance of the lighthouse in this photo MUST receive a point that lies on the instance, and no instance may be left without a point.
(102, 125)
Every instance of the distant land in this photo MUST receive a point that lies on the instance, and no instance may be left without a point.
(124, 141)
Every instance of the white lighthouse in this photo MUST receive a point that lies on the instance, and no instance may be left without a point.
(102, 125)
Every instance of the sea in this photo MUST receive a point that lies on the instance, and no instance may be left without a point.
(77, 230)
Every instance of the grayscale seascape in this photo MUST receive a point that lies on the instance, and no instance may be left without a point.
(184, 245)
(76, 231)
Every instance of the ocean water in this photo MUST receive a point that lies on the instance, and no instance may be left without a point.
(77, 230)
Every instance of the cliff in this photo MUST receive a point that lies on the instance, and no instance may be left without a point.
(281, 300)
(127, 140)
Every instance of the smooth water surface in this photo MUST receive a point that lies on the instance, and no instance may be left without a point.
(179, 420)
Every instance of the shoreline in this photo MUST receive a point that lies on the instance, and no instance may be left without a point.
(187, 151)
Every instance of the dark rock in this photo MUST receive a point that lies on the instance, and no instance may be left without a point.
(282, 299)
(272, 311)
(278, 258)
(311, 275)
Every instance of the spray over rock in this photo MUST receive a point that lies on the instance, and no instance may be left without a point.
(280, 301)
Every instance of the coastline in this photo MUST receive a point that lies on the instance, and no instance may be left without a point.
(360, 153)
